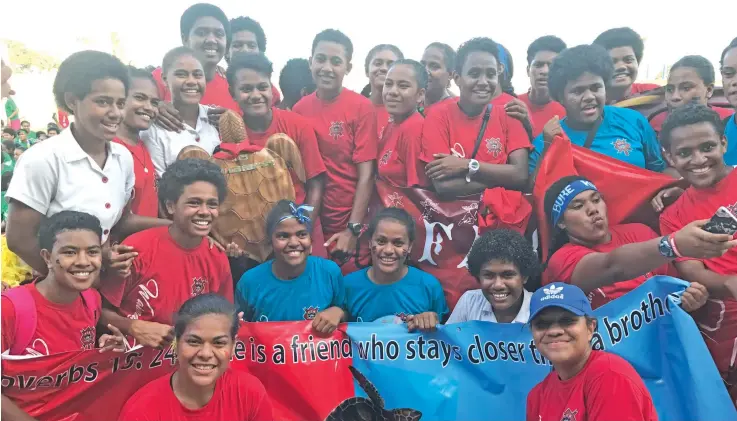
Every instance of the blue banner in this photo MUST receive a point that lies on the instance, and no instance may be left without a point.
(484, 371)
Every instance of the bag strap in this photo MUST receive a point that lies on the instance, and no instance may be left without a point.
(480, 136)
(25, 318)
(592, 133)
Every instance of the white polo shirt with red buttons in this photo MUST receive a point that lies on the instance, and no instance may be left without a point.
(164, 146)
(58, 175)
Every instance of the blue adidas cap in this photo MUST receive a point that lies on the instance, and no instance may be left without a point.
(559, 294)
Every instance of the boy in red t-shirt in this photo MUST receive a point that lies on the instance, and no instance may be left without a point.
(540, 55)
(59, 312)
(346, 133)
(694, 145)
(173, 263)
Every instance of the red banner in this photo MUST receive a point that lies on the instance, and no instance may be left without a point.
(87, 385)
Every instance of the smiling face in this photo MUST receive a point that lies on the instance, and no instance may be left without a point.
(561, 336)
(697, 152)
(186, 80)
(195, 210)
(584, 99)
(401, 93)
(686, 86)
(99, 113)
(502, 284)
(142, 105)
(478, 79)
(252, 92)
(292, 243)
(585, 220)
(390, 246)
(329, 65)
(434, 61)
(379, 66)
(204, 349)
(625, 67)
(729, 76)
(208, 37)
(75, 259)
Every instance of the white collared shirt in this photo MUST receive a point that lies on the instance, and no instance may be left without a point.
(57, 175)
(474, 306)
(164, 146)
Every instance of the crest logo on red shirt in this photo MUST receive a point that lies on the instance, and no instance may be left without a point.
(494, 146)
(622, 146)
(87, 338)
(385, 158)
(569, 415)
(310, 312)
(336, 129)
(198, 286)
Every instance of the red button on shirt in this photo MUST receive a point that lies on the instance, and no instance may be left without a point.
(104, 179)
(107, 205)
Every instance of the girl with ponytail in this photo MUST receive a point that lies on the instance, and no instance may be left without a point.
(378, 62)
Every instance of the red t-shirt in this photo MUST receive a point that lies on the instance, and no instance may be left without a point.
(658, 120)
(300, 130)
(382, 119)
(541, 114)
(216, 94)
(502, 100)
(164, 275)
(642, 87)
(448, 129)
(59, 327)
(399, 151)
(346, 134)
(427, 108)
(145, 198)
(564, 261)
(238, 396)
(606, 389)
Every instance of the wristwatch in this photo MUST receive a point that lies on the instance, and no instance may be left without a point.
(473, 168)
(666, 249)
(355, 228)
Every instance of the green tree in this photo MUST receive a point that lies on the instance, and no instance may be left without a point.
(23, 59)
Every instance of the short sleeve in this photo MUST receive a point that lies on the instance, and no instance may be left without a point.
(409, 152)
(650, 145)
(155, 149)
(460, 312)
(8, 324)
(130, 177)
(259, 404)
(35, 179)
(563, 263)
(226, 278)
(365, 135)
(241, 296)
(307, 142)
(435, 135)
(517, 137)
(614, 396)
(533, 405)
(538, 146)
(439, 305)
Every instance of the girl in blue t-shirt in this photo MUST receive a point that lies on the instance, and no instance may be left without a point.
(389, 287)
(293, 285)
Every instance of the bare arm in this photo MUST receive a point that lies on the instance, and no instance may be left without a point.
(131, 223)
(313, 195)
(22, 235)
(512, 175)
(110, 316)
(716, 284)
(364, 190)
(11, 412)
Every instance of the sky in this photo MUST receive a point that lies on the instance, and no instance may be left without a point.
(148, 29)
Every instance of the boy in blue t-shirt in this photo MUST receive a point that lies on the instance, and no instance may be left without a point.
(293, 285)
(389, 287)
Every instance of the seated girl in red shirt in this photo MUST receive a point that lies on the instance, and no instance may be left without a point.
(608, 262)
(378, 62)
(451, 130)
(172, 263)
(203, 387)
(585, 385)
(439, 59)
(141, 109)
(249, 75)
(58, 313)
(399, 147)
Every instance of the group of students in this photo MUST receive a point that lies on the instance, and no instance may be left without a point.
(118, 228)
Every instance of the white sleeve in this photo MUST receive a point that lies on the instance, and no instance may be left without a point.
(35, 179)
(130, 177)
(460, 312)
(156, 149)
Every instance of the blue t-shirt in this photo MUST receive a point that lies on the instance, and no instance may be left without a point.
(262, 297)
(730, 132)
(416, 293)
(624, 134)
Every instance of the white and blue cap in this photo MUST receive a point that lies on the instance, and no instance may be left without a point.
(559, 294)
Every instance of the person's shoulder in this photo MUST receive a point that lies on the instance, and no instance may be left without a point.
(323, 264)
(621, 114)
(607, 366)
(723, 112)
(147, 238)
(260, 272)
(124, 153)
(524, 98)
(242, 381)
(426, 278)
(291, 118)
(149, 396)
(354, 97)
(357, 278)
(471, 298)
(305, 103)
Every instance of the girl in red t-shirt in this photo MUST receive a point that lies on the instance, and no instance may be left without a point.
(378, 62)
(202, 387)
(439, 60)
(141, 109)
(606, 261)
(399, 146)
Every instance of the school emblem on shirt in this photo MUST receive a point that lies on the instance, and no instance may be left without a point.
(395, 200)
(336, 129)
(494, 146)
(310, 312)
(385, 158)
(622, 146)
(198, 286)
(87, 338)
(569, 415)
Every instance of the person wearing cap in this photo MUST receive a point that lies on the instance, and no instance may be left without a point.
(584, 384)
(606, 261)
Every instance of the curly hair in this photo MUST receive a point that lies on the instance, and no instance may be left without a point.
(621, 37)
(254, 61)
(66, 221)
(185, 172)
(483, 44)
(507, 246)
(78, 71)
(245, 23)
(570, 64)
(688, 115)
